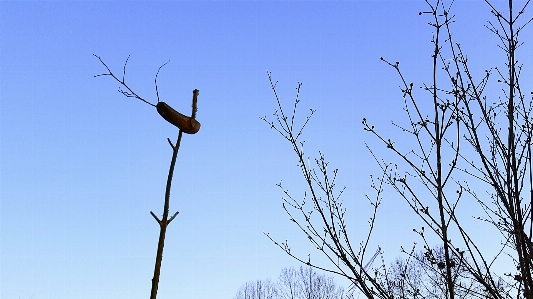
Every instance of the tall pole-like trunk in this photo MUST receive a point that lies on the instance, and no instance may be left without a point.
(165, 221)
(438, 179)
(513, 183)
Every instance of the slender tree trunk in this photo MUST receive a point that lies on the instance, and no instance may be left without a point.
(163, 223)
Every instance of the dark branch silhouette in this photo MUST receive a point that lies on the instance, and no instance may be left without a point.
(466, 146)
(185, 124)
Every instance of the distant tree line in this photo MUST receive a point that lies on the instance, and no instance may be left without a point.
(302, 283)
(419, 275)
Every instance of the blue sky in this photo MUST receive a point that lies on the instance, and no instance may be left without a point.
(81, 166)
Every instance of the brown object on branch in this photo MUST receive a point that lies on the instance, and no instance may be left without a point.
(185, 123)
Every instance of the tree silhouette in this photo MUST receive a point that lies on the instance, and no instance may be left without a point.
(185, 124)
(302, 283)
(464, 136)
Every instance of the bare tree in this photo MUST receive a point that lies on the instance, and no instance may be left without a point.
(289, 287)
(306, 283)
(468, 136)
(259, 289)
(422, 275)
(302, 283)
(323, 222)
(185, 124)
(463, 136)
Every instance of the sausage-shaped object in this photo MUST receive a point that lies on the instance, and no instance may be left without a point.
(187, 124)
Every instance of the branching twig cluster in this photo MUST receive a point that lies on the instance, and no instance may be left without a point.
(129, 92)
(466, 135)
(324, 222)
(462, 138)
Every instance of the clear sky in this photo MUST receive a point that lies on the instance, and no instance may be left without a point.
(81, 166)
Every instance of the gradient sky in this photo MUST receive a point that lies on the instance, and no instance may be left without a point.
(81, 166)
